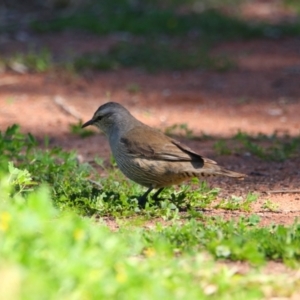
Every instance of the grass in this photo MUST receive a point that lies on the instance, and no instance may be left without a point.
(156, 37)
(49, 245)
(86, 260)
(142, 20)
(37, 61)
(53, 166)
(238, 203)
(222, 148)
(150, 22)
(267, 147)
(179, 130)
(152, 55)
(268, 205)
(293, 4)
(148, 55)
(152, 35)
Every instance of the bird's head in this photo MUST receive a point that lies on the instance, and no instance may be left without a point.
(111, 116)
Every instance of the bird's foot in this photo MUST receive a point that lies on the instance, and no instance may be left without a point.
(155, 196)
(143, 199)
(142, 202)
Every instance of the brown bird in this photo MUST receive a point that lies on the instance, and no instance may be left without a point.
(149, 157)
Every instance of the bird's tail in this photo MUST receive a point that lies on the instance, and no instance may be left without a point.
(212, 168)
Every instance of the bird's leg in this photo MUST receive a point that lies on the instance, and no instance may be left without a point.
(142, 199)
(155, 196)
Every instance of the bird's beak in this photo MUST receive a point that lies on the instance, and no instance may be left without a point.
(88, 123)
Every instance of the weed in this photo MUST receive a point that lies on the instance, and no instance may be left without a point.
(180, 130)
(271, 148)
(270, 206)
(238, 203)
(59, 169)
(222, 148)
(133, 88)
(39, 61)
(20, 180)
(14, 145)
(192, 197)
(281, 148)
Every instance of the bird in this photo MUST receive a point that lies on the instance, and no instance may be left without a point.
(149, 157)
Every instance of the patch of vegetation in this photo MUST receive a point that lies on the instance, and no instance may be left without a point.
(133, 88)
(268, 205)
(281, 148)
(151, 18)
(179, 129)
(268, 147)
(193, 197)
(149, 55)
(236, 239)
(238, 203)
(59, 169)
(222, 148)
(294, 4)
(37, 61)
(152, 56)
(143, 21)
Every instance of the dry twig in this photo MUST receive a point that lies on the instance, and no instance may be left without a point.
(67, 109)
(287, 191)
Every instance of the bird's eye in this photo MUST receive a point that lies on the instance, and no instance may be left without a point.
(103, 116)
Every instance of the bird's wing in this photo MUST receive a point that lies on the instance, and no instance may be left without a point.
(147, 142)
